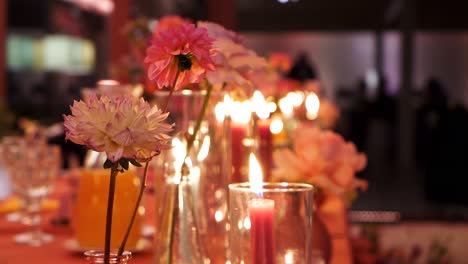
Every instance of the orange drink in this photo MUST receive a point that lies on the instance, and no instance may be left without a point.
(91, 207)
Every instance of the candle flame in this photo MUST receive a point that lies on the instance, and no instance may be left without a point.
(260, 105)
(286, 106)
(276, 125)
(222, 109)
(107, 82)
(296, 98)
(312, 105)
(289, 257)
(220, 112)
(241, 112)
(272, 107)
(255, 175)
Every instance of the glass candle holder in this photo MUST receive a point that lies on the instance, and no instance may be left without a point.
(272, 227)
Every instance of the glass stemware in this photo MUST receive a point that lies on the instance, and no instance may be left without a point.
(33, 168)
(10, 151)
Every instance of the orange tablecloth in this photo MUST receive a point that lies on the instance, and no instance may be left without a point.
(52, 253)
(55, 252)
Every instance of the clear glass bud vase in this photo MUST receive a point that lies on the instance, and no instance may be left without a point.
(191, 190)
(96, 256)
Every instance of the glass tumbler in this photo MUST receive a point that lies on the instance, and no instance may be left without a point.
(271, 225)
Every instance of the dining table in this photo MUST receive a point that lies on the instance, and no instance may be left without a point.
(54, 252)
(60, 250)
(58, 221)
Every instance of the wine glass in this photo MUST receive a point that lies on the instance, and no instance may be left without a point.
(33, 173)
(11, 148)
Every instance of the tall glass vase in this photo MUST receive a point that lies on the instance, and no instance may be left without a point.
(191, 189)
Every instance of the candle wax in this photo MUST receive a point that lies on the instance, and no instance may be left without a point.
(261, 213)
(265, 146)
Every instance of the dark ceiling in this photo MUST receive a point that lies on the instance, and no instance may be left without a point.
(321, 15)
(342, 15)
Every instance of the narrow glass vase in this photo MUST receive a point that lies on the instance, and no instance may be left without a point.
(97, 256)
(191, 203)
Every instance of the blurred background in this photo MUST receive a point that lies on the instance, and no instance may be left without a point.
(395, 68)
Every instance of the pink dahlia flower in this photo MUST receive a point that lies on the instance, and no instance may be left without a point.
(323, 158)
(265, 80)
(234, 62)
(169, 22)
(186, 50)
(217, 31)
(122, 126)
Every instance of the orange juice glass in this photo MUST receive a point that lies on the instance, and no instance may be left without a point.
(91, 207)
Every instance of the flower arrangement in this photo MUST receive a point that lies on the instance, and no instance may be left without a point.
(131, 67)
(205, 54)
(270, 80)
(128, 130)
(322, 158)
(234, 63)
(179, 56)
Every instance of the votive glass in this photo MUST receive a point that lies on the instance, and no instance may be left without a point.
(271, 225)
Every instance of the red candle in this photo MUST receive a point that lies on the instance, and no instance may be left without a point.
(265, 146)
(238, 134)
(261, 213)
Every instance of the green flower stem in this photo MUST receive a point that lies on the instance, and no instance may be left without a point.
(171, 91)
(135, 211)
(110, 207)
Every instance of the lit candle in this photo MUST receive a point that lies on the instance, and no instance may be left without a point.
(278, 131)
(240, 115)
(107, 83)
(261, 214)
(265, 144)
(238, 132)
(312, 104)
